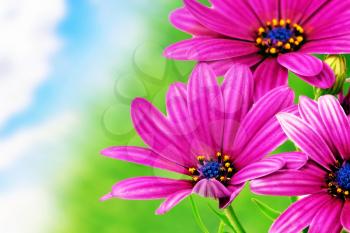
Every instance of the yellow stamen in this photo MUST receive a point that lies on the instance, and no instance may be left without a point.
(191, 170)
(258, 40)
(229, 169)
(218, 154)
(274, 22)
(296, 42)
(226, 158)
(339, 190)
(282, 22)
(222, 178)
(261, 30)
(288, 21)
(195, 178)
(300, 38)
(287, 46)
(279, 43)
(346, 193)
(227, 164)
(291, 40)
(273, 50)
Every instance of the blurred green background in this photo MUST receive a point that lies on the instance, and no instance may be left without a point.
(143, 72)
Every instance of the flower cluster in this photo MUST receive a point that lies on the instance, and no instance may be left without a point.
(218, 136)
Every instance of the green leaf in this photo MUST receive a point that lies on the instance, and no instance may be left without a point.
(293, 199)
(266, 210)
(197, 216)
(222, 217)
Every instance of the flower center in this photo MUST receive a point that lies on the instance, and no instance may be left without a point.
(219, 167)
(339, 181)
(279, 37)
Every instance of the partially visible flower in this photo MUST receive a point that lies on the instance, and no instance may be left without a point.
(323, 133)
(214, 135)
(338, 65)
(270, 36)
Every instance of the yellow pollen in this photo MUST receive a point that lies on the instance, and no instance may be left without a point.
(291, 40)
(222, 169)
(192, 170)
(346, 193)
(218, 154)
(261, 30)
(339, 190)
(296, 42)
(300, 38)
(268, 23)
(200, 158)
(227, 164)
(288, 21)
(195, 178)
(229, 169)
(279, 43)
(274, 22)
(258, 40)
(273, 50)
(287, 46)
(282, 22)
(226, 158)
(300, 29)
(222, 178)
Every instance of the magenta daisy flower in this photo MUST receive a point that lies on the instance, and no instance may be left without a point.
(323, 133)
(272, 36)
(214, 136)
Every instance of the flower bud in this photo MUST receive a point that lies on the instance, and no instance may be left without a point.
(338, 65)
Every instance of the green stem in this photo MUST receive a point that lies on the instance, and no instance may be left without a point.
(232, 217)
(221, 227)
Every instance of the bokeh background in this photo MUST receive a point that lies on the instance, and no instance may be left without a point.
(68, 72)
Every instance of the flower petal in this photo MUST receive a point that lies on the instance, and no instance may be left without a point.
(340, 44)
(237, 90)
(293, 160)
(305, 137)
(158, 132)
(142, 156)
(209, 49)
(345, 220)
(327, 220)
(291, 9)
(220, 67)
(324, 80)
(257, 170)
(287, 183)
(300, 214)
(259, 115)
(268, 76)
(337, 124)
(211, 188)
(206, 107)
(266, 10)
(308, 109)
(301, 64)
(172, 201)
(217, 22)
(183, 20)
(148, 188)
(234, 190)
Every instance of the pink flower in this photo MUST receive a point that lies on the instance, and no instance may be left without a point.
(271, 36)
(214, 136)
(323, 133)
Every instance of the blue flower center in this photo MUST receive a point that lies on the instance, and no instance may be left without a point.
(211, 169)
(343, 176)
(279, 34)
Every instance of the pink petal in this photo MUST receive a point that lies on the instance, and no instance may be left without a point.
(337, 124)
(259, 115)
(237, 90)
(312, 9)
(266, 10)
(206, 107)
(217, 22)
(301, 64)
(293, 160)
(211, 188)
(234, 190)
(338, 45)
(172, 201)
(327, 220)
(148, 187)
(287, 183)
(257, 170)
(268, 76)
(209, 49)
(305, 137)
(183, 20)
(158, 132)
(324, 80)
(265, 141)
(238, 12)
(220, 67)
(142, 156)
(299, 215)
(345, 220)
(295, 10)
(309, 111)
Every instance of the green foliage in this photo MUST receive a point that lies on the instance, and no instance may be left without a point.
(269, 212)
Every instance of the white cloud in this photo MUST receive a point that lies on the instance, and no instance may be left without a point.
(25, 210)
(46, 137)
(28, 41)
